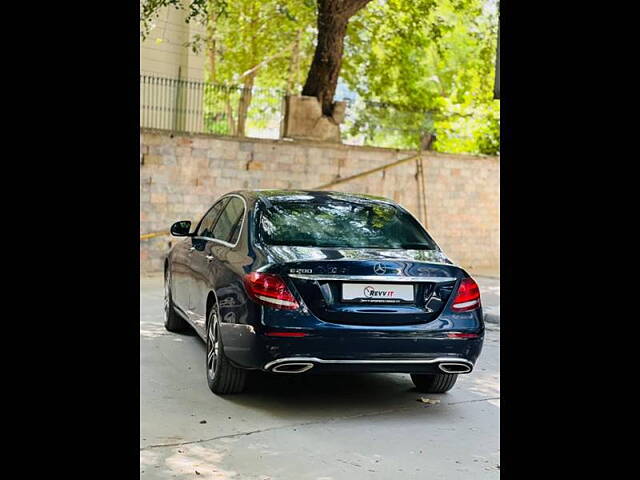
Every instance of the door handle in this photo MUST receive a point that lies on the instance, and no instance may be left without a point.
(209, 257)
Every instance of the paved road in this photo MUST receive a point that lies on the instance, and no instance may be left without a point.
(306, 427)
(490, 294)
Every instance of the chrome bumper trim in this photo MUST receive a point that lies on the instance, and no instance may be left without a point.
(381, 361)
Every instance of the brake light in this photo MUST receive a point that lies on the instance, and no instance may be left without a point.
(467, 297)
(462, 335)
(286, 334)
(270, 290)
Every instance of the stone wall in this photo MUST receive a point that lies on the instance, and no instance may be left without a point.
(181, 176)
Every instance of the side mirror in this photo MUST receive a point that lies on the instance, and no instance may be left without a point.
(181, 229)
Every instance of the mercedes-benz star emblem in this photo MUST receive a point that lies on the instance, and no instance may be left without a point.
(379, 269)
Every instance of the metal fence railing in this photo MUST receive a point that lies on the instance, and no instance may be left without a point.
(200, 107)
(385, 125)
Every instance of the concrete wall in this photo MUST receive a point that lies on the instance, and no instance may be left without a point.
(181, 176)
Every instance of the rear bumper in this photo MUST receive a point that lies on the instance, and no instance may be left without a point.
(433, 365)
(372, 351)
(352, 351)
(330, 347)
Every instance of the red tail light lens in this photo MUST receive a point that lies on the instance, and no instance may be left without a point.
(462, 335)
(270, 290)
(468, 296)
(286, 334)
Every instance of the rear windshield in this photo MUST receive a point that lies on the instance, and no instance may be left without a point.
(337, 223)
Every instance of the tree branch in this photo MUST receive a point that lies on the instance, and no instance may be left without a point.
(351, 7)
(267, 60)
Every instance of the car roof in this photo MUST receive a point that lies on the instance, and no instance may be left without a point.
(292, 195)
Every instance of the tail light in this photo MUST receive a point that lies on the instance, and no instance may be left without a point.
(467, 297)
(286, 334)
(462, 335)
(268, 289)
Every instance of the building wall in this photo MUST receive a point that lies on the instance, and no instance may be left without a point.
(164, 51)
(181, 176)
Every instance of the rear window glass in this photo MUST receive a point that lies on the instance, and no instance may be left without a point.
(337, 223)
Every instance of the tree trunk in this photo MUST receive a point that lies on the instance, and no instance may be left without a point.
(211, 42)
(249, 76)
(294, 64)
(327, 59)
(212, 61)
(244, 102)
(322, 80)
(230, 122)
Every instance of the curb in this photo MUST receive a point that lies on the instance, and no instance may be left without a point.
(492, 318)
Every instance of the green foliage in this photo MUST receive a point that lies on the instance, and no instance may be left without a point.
(253, 31)
(433, 63)
(489, 134)
(253, 45)
(246, 33)
(419, 65)
(197, 10)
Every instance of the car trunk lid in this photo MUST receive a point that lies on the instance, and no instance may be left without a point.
(368, 286)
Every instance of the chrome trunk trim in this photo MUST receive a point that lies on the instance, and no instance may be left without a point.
(372, 278)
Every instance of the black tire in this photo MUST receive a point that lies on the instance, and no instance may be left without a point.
(222, 377)
(172, 321)
(439, 383)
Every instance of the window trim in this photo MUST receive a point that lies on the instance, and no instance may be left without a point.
(244, 217)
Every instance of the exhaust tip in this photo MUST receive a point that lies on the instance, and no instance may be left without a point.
(292, 367)
(454, 367)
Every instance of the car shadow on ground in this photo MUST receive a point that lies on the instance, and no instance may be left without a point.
(326, 395)
(306, 395)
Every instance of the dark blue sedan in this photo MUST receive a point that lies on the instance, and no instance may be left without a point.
(293, 282)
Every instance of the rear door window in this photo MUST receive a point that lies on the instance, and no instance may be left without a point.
(227, 228)
(205, 229)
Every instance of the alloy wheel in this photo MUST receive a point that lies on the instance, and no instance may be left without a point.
(167, 305)
(213, 345)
